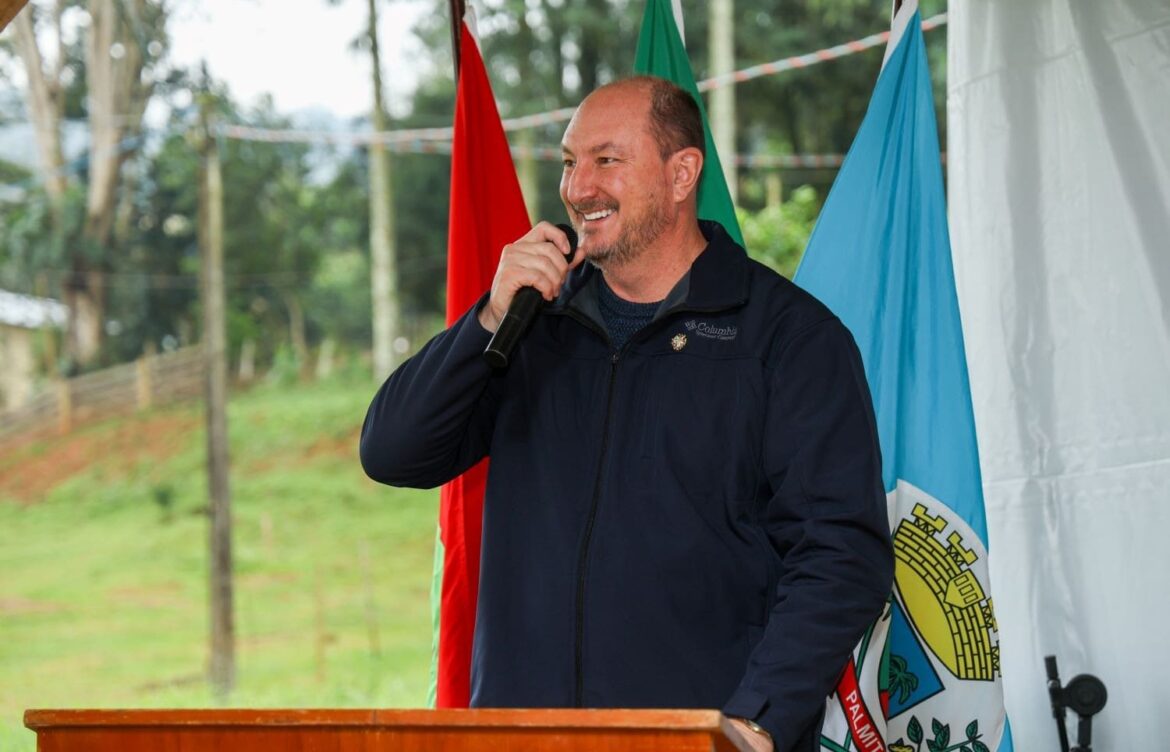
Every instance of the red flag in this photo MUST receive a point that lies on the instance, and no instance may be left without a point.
(487, 212)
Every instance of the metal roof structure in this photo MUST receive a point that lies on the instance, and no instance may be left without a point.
(29, 312)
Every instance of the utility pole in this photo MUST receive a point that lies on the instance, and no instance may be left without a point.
(223, 660)
(721, 25)
(383, 261)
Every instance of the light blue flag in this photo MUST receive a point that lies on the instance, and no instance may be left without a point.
(927, 674)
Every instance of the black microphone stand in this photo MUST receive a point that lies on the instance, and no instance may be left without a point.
(1085, 695)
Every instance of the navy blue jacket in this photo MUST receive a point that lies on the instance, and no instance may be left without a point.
(694, 520)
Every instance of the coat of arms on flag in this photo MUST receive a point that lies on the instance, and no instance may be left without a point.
(926, 675)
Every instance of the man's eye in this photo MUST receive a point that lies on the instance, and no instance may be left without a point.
(606, 160)
(567, 163)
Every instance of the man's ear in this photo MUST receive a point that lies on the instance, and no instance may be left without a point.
(686, 166)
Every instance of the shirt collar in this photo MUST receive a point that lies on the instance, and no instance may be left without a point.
(718, 278)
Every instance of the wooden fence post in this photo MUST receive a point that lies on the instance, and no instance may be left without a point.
(325, 359)
(142, 383)
(247, 361)
(64, 406)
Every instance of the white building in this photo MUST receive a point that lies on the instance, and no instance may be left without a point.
(22, 319)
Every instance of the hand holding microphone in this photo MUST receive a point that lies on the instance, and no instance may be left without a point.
(531, 271)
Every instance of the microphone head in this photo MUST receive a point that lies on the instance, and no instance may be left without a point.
(1085, 695)
(571, 234)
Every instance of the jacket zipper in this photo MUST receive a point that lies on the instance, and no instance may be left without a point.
(583, 556)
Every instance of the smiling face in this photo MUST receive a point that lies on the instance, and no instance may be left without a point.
(615, 184)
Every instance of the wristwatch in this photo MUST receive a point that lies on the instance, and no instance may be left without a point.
(757, 728)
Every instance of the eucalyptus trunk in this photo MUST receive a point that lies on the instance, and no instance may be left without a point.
(383, 262)
(721, 42)
(115, 58)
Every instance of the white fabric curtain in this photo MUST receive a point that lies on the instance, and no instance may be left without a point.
(1059, 191)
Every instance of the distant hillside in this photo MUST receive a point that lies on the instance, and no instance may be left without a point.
(103, 571)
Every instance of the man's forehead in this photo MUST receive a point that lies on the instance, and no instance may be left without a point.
(594, 148)
(607, 119)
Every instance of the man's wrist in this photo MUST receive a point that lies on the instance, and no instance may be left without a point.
(757, 728)
(486, 320)
(760, 738)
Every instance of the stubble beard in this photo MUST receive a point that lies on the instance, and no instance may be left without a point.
(637, 235)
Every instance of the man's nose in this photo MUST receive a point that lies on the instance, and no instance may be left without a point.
(579, 184)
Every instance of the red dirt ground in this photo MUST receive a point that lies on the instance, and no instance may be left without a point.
(28, 471)
(345, 446)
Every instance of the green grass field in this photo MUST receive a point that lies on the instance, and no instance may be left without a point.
(103, 564)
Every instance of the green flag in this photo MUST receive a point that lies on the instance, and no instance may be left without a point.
(661, 53)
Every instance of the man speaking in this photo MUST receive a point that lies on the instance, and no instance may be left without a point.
(684, 507)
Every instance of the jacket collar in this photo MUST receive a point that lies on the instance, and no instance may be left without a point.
(718, 279)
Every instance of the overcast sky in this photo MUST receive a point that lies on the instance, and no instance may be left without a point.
(298, 50)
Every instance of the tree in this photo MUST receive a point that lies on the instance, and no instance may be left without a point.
(776, 235)
(384, 287)
(123, 42)
(292, 230)
(383, 263)
(278, 225)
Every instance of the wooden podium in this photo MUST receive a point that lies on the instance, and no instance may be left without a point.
(381, 730)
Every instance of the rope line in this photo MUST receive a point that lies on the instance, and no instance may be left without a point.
(387, 138)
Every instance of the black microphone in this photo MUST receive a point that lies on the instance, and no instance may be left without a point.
(520, 314)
